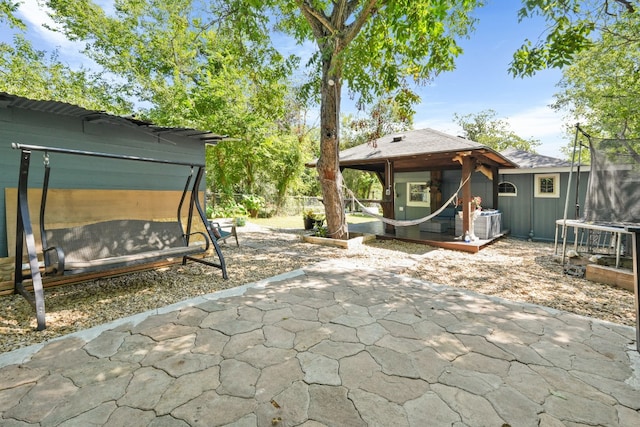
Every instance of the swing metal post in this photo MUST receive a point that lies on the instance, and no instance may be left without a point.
(195, 202)
(43, 204)
(99, 154)
(179, 212)
(24, 232)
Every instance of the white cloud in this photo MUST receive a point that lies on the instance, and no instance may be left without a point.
(544, 124)
(36, 16)
(439, 124)
(537, 122)
(541, 123)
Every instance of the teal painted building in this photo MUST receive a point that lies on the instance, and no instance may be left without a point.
(530, 190)
(61, 125)
(531, 197)
(534, 196)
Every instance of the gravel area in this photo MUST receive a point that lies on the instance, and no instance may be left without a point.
(513, 269)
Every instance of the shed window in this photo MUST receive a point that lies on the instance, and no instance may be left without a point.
(547, 185)
(418, 194)
(507, 189)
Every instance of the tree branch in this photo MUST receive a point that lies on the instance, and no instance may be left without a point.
(338, 16)
(625, 3)
(316, 19)
(351, 6)
(352, 30)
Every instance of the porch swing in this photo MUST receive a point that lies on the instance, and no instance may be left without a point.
(106, 247)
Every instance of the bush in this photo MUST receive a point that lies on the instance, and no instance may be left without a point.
(253, 204)
(321, 232)
(227, 210)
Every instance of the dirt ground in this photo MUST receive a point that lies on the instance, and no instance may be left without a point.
(509, 268)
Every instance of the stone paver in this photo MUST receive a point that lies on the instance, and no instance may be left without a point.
(332, 345)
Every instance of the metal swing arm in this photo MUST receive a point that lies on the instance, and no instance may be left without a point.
(195, 202)
(26, 147)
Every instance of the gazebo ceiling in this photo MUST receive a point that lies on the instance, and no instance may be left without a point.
(424, 149)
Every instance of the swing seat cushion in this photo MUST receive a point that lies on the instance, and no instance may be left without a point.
(120, 243)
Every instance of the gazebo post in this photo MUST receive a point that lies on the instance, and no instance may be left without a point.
(389, 208)
(467, 170)
(495, 181)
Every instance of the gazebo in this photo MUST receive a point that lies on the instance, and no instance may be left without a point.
(426, 150)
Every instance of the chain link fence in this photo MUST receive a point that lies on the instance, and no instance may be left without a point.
(292, 205)
(295, 205)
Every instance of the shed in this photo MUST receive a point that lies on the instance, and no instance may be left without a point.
(85, 189)
(533, 196)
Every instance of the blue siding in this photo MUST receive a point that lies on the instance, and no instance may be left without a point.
(38, 128)
(517, 210)
(400, 192)
(524, 215)
(480, 186)
(527, 216)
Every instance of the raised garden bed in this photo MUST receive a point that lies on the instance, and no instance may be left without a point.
(355, 240)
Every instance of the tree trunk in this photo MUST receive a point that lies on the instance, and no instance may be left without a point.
(328, 164)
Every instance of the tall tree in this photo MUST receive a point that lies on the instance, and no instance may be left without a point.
(375, 48)
(182, 61)
(189, 68)
(596, 41)
(383, 118)
(8, 11)
(601, 88)
(571, 24)
(37, 74)
(484, 127)
(285, 157)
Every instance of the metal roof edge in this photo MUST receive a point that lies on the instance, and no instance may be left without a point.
(8, 100)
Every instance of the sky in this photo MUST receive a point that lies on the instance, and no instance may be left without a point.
(480, 81)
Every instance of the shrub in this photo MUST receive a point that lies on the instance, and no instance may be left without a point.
(253, 204)
(228, 210)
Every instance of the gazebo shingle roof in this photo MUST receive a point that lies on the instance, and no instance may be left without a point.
(408, 143)
(418, 149)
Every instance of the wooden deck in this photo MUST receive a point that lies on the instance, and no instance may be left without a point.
(413, 234)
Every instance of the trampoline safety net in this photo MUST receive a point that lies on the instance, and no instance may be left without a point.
(613, 192)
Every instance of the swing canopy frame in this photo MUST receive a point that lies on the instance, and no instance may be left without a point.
(105, 247)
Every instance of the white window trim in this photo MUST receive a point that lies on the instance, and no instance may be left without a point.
(556, 186)
(414, 203)
(508, 194)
